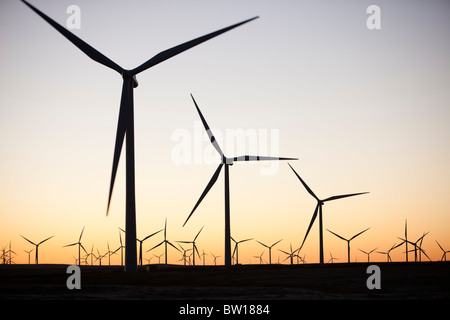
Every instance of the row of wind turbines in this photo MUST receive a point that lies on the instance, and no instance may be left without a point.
(125, 129)
(6, 255)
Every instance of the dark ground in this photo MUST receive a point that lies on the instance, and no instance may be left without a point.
(399, 281)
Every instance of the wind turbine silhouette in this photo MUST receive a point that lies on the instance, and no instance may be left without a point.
(417, 247)
(166, 242)
(260, 257)
(388, 253)
(318, 210)
(141, 242)
(225, 162)
(215, 258)
(348, 241)
(236, 249)
(444, 255)
(332, 258)
(126, 118)
(80, 246)
(194, 247)
(37, 246)
(28, 254)
(368, 253)
(291, 254)
(270, 249)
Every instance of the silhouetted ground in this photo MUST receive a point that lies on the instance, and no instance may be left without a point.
(426, 280)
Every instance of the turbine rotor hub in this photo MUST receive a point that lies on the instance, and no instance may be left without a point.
(127, 75)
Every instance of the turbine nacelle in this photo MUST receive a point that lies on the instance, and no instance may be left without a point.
(126, 74)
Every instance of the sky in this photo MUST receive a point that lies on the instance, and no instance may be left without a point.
(363, 110)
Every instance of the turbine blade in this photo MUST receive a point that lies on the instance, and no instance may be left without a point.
(208, 130)
(276, 242)
(83, 248)
(152, 235)
(198, 233)
(208, 187)
(440, 246)
(29, 240)
(304, 184)
(69, 245)
(79, 239)
(120, 135)
(343, 196)
(260, 158)
(262, 244)
(45, 240)
(245, 240)
(311, 223)
(156, 246)
(337, 235)
(83, 46)
(173, 246)
(169, 53)
(358, 234)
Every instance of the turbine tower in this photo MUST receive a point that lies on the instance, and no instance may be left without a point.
(225, 162)
(125, 124)
(318, 210)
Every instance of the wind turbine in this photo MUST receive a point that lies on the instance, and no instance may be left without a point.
(270, 249)
(348, 241)
(28, 254)
(389, 251)
(318, 210)
(79, 246)
(165, 242)
(260, 257)
(444, 255)
(368, 253)
(225, 162)
(291, 254)
(126, 119)
(140, 244)
(37, 246)
(121, 247)
(417, 247)
(215, 258)
(332, 258)
(194, 247)
(236, 249)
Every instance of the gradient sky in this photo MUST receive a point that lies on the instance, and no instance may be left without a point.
(363, 110)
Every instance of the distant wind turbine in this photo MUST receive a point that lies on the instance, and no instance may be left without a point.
(332, 258)
(165, 242)
(225, 162)
(348, 241)
(444, 255)
(28, 254)
(121, 247)
(290, 254)
(194, 247)
(142, 241)
(236, 248)
(270, 249)
(215, 258)
(417, 247)
(259, 257)
(126, 119)
(80, 246)
(318, 210)
(388, 253)
(368, 253)
(37, 246)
